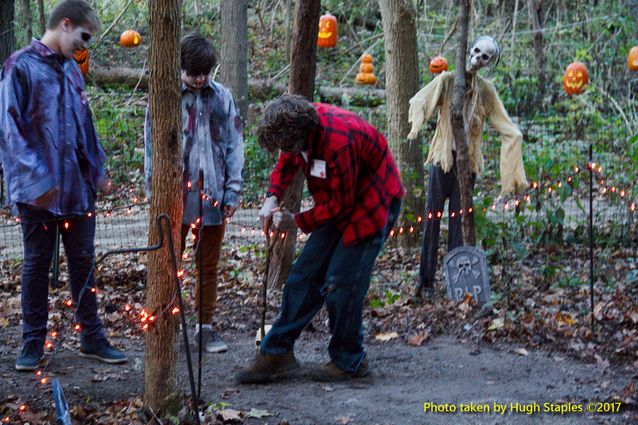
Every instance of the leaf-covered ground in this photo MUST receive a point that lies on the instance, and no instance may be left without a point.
(531, 321)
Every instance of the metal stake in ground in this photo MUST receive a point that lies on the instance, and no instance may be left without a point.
(178, 293)
(591, 237)
(200, 272)
(55, 265)
(270, 242)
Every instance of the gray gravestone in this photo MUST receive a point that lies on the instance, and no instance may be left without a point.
(465, 270)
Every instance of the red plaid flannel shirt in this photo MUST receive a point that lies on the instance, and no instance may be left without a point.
(361, 176)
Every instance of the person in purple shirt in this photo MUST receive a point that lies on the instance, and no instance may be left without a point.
(53, 165)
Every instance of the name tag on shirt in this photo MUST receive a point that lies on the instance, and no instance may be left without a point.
(318, 168)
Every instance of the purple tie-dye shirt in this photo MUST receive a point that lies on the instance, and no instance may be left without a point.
(47, 137)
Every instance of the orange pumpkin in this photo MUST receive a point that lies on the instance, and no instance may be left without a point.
(438, 64)
(366, 78)
(82, 58)
(365, 75)
(366, 58)
(130, 38)
(632, 59)
(327, 36)
(575, 78)
(366, 68)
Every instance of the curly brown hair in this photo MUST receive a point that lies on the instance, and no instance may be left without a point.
(287, 124)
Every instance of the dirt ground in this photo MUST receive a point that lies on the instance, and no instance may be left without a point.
(442, 370)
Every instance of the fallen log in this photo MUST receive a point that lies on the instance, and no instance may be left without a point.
(258, 90)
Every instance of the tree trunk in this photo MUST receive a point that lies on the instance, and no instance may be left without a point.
(234, 51)
(287, 18)
(26, 22)
(7, 38)
(401, 83)
(535, 12)
(458, 126)
(43, 17)
(303, 63)
(160, 356)
(514, 24)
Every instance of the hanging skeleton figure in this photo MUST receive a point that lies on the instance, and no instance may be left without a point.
(481, 101)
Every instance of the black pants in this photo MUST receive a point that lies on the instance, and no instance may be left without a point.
(442, 186)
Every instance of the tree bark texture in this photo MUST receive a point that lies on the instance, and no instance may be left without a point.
(535, 12)
(234, 51)
(26, 21)
(7, 34)
(303, 63)
(160, 356)
(42, 16)
(401, 83)
(459, 97)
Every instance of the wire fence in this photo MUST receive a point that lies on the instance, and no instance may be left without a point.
(555, 208)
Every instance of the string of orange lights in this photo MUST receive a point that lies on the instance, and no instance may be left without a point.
(145, 319)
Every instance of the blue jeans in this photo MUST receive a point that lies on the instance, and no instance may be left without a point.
(38, 236)
(327, 271)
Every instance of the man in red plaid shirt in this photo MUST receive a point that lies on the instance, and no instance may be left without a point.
(357, 192)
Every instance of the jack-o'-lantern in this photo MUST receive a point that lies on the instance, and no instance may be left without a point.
(82, 59)
(327, 36)
(575, 78)
(632, 59)
(438, 64)
(365, 75)
(366, 78)
(130, 38)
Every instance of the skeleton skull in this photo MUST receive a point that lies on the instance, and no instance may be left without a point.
(484, 52)
(465, 265)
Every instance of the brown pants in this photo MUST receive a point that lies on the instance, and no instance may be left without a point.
(211, 246)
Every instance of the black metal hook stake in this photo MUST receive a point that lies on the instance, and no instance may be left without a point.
(55, 267)
(200, 273)
(178, 290)
(182, 316)
(270, 242)
(591, 238)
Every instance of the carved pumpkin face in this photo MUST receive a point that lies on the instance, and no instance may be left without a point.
(575, 78)
(82, 59)
(632, 59)
(438, 64)
(327, 36)
(366, 78)
(130, 38)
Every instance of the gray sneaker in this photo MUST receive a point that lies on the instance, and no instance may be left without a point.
(211, 341)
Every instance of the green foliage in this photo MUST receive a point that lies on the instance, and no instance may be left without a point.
(257, 167)
(390, 298)
(119, 121)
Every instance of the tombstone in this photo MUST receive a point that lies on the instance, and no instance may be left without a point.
(465, 270)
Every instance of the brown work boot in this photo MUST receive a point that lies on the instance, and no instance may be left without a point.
(330, 372)
(267, 367)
